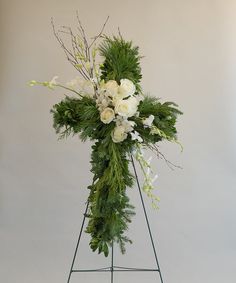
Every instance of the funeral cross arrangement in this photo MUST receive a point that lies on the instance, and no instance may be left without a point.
(108, 107)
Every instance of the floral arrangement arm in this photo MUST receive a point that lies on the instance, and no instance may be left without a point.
(110, 109)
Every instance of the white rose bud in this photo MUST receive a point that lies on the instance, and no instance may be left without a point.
(126, 88)
(107, 115)
(111, 87)
(127, 107)
(119, 134)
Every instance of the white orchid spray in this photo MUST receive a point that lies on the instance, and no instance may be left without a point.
(107, 106)
(149, 179)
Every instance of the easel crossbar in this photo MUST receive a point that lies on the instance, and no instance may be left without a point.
(117, 269)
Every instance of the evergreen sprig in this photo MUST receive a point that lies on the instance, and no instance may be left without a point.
(122, 60)
(165, 116)
(110, 211)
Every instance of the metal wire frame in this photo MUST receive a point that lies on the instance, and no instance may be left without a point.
(114, 268)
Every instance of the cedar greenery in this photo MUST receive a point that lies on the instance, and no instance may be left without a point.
(122, 60)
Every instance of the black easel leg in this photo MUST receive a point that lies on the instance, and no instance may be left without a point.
(77, 245)
(112, 262)
(146, 217)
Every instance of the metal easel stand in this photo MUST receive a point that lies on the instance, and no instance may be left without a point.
(114, 268)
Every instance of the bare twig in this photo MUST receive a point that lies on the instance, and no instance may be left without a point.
(78, 53)
(70, 55)
(100, 33)
(76, 49)
(119, 32)
(82, 32)
(159, 154)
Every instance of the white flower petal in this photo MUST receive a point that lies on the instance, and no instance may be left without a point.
(126, 88)
(107, 115)
(148, 121)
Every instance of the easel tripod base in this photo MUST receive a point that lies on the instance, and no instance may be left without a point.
(114, 269)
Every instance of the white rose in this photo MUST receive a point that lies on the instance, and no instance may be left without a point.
(117, 98)
(126, 88)
(107, 115)
(119, 134)
(111, 87)
(127, 107)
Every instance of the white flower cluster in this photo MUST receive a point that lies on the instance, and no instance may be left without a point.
(118, 103)
(115, 102)
(85, 87)
(149, 179)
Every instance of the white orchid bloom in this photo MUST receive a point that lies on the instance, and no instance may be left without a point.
(135, 136)
(87, 88)
(129, 125)
(51, 84)
(75, 83)
(148, 121)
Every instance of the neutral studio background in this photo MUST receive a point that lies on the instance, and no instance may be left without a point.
(190, 58)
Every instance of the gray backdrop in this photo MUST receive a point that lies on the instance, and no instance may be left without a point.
(189, 49)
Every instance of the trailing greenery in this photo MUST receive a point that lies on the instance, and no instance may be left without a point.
(110, 210)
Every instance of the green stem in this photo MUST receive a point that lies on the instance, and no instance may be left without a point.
(70, 89)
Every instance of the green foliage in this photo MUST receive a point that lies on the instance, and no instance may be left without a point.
(72, 116)
(122, 61)
(79, 116)
(165, 119)
(110, 211)
(109, 207)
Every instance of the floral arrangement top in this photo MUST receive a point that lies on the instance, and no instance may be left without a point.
(109, 108)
